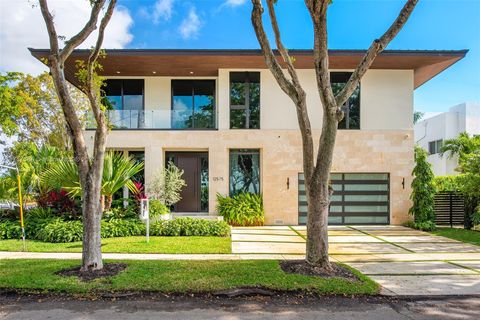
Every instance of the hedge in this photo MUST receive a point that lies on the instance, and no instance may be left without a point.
(58, 230)
(190, 227)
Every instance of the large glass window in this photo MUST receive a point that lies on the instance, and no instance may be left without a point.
(124, 94)
(244, 171)
(351, 109)
(193, 104)
(244, 100)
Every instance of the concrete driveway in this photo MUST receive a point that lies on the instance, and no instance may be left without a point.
(402, 260)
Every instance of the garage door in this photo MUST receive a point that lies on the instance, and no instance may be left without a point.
(358, 198)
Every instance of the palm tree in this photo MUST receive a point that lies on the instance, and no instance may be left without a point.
(117, 173)
(462, 146)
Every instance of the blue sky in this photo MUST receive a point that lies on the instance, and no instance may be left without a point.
(352, 24)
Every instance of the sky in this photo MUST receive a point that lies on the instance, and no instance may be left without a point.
(214, 24)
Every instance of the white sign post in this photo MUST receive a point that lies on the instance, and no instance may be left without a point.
(144, 215)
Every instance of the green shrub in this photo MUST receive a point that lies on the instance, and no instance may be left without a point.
(58, 230)
(423, 190)
(122, 228)
(157, 208)
(10, 230)
(39, 213)
(424, 226)
(243, 209)
(131, 211)
(189, 227)
(447, 183)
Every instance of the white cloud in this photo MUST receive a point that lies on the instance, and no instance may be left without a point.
(22, 26)
(234, 3)
(191, 24)
(162, 9)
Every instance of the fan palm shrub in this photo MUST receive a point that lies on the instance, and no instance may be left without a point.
(117, 173)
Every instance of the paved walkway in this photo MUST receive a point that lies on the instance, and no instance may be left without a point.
(402, 260)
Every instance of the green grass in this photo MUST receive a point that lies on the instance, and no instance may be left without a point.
(131, 245)
(175, 276)
(468, 236)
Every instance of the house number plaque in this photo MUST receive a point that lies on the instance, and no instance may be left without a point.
(217, 178)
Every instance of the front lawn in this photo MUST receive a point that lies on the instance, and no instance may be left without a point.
(131, 245)
(468, 236)
(175, 276)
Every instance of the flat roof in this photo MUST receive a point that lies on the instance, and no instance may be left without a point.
(426, 64)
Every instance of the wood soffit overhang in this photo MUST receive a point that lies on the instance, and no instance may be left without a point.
(426, 64)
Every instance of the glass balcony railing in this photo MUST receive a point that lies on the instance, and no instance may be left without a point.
(158, 119)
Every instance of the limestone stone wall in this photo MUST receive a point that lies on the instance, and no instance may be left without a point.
(388, 151)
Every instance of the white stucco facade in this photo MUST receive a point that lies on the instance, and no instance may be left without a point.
(464, 117)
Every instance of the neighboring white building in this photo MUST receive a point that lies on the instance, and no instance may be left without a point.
(430, 133)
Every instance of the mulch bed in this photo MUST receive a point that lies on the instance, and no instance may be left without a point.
(302, 267)
(109, 269)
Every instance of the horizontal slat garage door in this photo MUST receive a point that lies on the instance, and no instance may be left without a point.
(358, 198)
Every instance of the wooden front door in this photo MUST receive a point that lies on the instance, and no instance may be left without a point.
(192, 164)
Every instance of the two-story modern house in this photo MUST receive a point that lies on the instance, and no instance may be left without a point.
(221, 117)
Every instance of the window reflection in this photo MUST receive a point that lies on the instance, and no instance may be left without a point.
(244, 171)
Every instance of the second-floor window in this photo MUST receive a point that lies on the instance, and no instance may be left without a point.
(124, 94)
(244, 100)
(351, 109)
(193, 104)
(435, 146)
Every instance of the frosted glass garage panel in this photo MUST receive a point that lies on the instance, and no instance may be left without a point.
(366, 220)
(366, 176)
(365, 187)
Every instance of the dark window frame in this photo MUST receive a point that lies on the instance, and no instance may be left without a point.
(215, 120)
(245, 107)
(122, 91)
(346, 107)
(435, 146)
(245, 151)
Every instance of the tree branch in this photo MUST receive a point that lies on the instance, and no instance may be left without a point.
(52, 33)
(89, 27)
(270, 58)
(292, 88)
(283, 51)
(376, 47)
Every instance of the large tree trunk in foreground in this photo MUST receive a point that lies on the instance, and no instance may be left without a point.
(90, 171)
(317, 171)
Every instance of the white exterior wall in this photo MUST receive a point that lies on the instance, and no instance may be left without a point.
(464, 117)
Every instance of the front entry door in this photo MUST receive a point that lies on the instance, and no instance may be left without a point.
(195, 171)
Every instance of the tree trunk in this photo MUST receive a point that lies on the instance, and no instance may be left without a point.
(108, 202)
(91, 253)
(318, 195)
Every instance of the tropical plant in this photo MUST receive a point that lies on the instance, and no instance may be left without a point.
(157, 208)
(31, 162)
(423, 190)
(118, 171)
(166, 185)
(467, 149)
(243, 209)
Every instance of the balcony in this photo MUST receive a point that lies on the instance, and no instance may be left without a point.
(158, 119)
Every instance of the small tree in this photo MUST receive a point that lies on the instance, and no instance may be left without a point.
(167, 184)
(90, 170)
(423, 192)
(317, 168)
